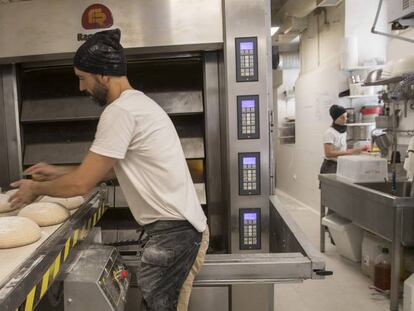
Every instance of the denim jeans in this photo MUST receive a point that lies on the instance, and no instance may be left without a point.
(165, 262)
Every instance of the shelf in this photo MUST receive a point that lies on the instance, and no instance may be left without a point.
(360, 68)
(285, 137)
(361, 124)
(60, 110)
(359, 96)
(193, 147)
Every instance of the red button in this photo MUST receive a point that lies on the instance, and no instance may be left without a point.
(124, 274)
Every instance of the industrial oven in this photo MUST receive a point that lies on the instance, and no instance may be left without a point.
(207, 63)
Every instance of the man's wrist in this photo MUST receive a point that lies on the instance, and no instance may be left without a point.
(35, 187)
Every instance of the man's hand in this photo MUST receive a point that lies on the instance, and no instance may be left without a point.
(46, 172)
(25, 195)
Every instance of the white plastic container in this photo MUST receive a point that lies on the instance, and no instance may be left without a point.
(362, 168)
(371, 248)
(346, 235)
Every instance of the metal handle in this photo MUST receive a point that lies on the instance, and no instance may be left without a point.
(323, 272)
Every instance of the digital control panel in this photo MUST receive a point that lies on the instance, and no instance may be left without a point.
(249, 224)
(246, 59)
(248, 117)
(249, 173)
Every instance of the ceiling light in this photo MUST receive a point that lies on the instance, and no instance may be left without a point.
(273, 30)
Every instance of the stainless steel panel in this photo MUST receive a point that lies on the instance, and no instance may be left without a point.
(254, 268)
(59, 109)
(257, 297)
(11, 122)
(56, 153)
(209, 298)
(144, 24)
(179, 102)
(245, 18)
(216, 207)
(287, 237)
(193, 147)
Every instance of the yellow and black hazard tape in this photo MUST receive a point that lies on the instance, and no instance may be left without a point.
(39, 290)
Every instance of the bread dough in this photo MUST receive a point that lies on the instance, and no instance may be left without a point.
(45, 213)
(18, 231)
(11, 192)
(11, 213)
(69, 203)
(5, 206)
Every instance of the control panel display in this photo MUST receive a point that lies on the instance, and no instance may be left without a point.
(248, 117)
(246, 59)
(249, 173)
(249, 228)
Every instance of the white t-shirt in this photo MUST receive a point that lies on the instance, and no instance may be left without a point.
(336, 139)
(151, 169)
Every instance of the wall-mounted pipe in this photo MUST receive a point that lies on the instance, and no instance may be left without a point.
(389, 35)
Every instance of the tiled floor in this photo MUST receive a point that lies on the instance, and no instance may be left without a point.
(348, 289)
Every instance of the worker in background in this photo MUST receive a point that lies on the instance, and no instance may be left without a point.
(137, 143)
(334, 140)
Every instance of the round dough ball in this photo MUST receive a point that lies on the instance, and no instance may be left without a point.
(45, 213)
(69, 203)
(11, 192)
(18, 231)
(5, 206)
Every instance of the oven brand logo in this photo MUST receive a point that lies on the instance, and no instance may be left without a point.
(97, 16)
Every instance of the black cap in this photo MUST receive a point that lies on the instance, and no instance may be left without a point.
(103, 54)
(336, 111)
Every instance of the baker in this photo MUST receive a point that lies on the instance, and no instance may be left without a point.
(334, 140)
(137, 143)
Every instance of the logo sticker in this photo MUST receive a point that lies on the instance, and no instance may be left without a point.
(97, 16)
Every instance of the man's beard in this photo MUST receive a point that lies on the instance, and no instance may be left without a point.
(99, 94)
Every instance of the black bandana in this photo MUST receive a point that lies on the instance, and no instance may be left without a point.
(340, 128)
(102, 54)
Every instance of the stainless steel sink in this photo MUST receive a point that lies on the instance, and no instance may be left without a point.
(375, 208)
(402, 190)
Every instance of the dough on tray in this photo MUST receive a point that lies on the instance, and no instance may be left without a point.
(45, 213)
(5, 206)
(18, 231)
(69, 203)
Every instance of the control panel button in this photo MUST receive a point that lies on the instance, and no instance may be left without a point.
(250, 228)
(246, 59)
(249, 173)
(248, 115)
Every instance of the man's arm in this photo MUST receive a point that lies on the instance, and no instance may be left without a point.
(42, 171)
(110, 175)
(93, 169)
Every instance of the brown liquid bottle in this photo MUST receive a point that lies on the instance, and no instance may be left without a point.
(382, 274)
